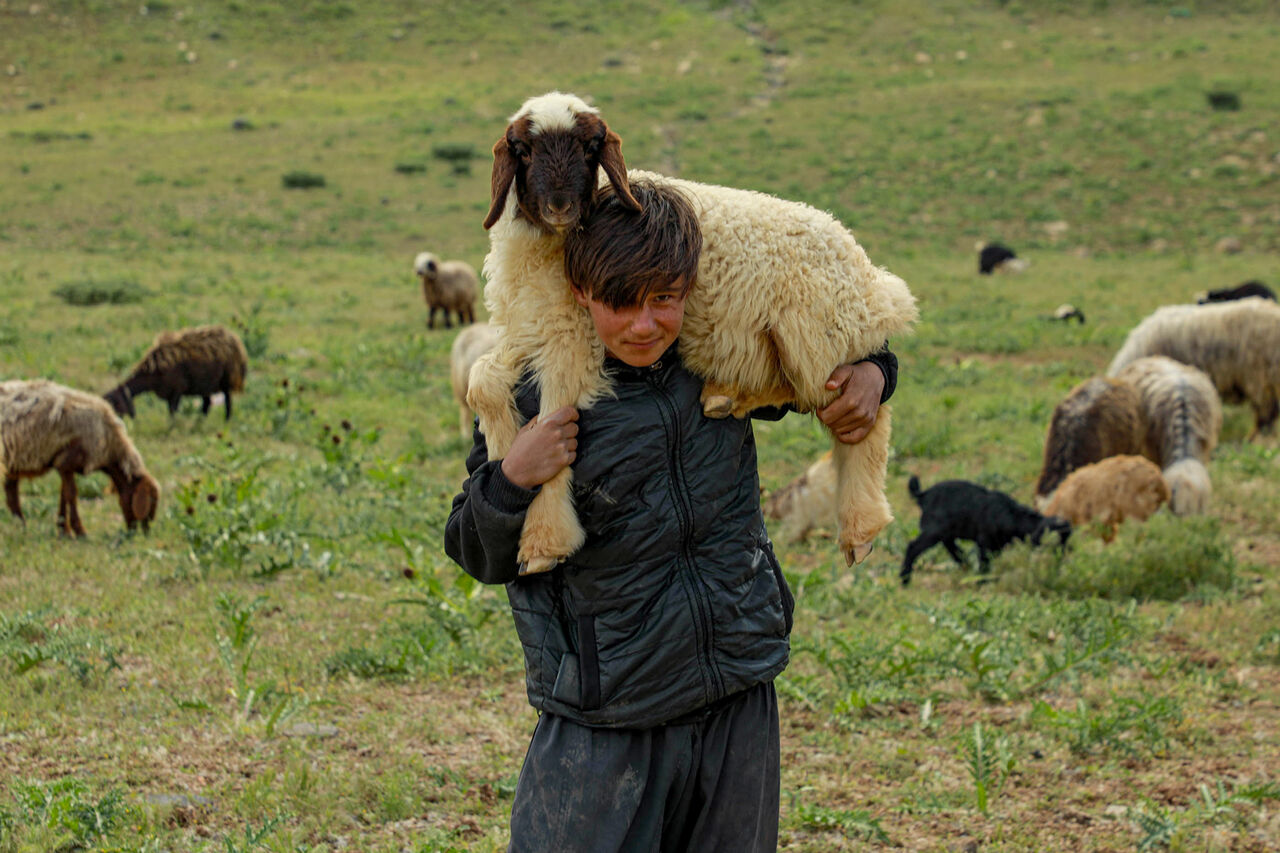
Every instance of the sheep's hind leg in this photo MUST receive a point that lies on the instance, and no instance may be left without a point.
(67, 502)
(551, 527)
(863, 510)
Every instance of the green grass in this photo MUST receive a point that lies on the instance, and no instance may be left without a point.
(289, 662)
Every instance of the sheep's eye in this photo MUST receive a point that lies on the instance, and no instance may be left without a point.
(520, 150)
(593, 145)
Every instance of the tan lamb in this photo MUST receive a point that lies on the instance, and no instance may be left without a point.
(1110, 491)
(784, 295)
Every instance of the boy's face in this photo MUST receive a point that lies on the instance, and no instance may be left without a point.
(638, 335)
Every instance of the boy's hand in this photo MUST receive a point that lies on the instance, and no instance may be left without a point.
(852, 415)
(542, 448)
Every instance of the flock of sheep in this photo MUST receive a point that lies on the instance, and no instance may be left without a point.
(1118, 446)
(46, 426)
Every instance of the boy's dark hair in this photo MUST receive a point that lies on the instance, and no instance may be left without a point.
(619, 256)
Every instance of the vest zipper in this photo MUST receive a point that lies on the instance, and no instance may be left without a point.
(684, 514)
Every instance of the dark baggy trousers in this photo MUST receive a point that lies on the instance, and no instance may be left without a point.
(703, 785)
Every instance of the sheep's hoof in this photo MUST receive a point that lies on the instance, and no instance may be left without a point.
(858, 553)
(538, 565)
(717, 406)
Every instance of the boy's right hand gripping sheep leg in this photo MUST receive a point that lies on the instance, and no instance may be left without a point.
(542, 448)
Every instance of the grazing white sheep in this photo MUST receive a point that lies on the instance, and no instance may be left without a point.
(1183, 420)
(1236, 343)
(806, 502)
(44, 425)
(784, 294)
(1098, 418)
(1110, 491)
(471, 343)
(447, 286)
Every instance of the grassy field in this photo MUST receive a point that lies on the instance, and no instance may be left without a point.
(289, 662)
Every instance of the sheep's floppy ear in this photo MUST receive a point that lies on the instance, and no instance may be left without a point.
(504, 172)
(614, 166)
(146, 497)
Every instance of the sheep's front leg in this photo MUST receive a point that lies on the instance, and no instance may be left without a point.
(570, 376)
(863, 510)
(490, 394)
(68, 511)
(11, 497)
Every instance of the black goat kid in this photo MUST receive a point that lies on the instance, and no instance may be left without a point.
(957, 509)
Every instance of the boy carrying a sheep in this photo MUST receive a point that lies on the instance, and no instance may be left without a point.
(650, 653)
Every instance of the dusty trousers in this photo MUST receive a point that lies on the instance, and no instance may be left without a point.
(708, 782)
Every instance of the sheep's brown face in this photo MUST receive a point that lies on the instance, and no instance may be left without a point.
(555, 176)
(554, 171)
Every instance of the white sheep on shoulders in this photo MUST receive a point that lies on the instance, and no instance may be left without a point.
(784, 294)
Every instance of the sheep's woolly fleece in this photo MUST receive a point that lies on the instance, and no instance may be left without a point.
(1184, 418)
(1236, 343)
(199, 344)
(806, 502)
(39, 419)
(471, 343)
(1110, 491)
(1098, 418)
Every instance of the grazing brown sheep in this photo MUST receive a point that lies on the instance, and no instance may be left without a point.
(1098, 418)
(46, 426)
(197, 362)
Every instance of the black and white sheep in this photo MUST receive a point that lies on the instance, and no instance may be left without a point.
(1065, 313)
(1098, 418)
(447, 286)
(956, 510)
(784, 294)
(46, 426)
(1237, 343)
(197, 362)
(997, 257)
(1183, 417)
(471, 343)
(1240, 291)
